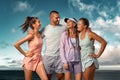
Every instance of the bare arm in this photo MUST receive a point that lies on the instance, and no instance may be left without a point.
(20, 42)
(94, 36)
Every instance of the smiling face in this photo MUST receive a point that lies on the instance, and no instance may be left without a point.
(70, 24)
(83, 23)
(55, 18)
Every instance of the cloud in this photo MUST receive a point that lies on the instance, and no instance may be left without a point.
(12, 67)
(110, 56)
(9, 63)
(39, 13)
(62, 22)
(22, 6)
(3, 67)
(4, 44)
(16, 62)
(117, 21)
(109, 29)
(80, 5)
(118, 4)
(7, 58)
(12, 63)
(111, 25)
(104, 14)
(13, 30)
(95, 8)
(117, 34)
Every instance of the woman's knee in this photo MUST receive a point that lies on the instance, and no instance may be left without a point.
(60, 76)
(44, 78)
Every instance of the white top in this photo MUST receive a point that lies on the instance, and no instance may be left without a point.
(52, 39)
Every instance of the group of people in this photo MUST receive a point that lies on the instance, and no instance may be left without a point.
(69, 49)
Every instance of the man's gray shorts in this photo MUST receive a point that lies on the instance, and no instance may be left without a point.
(53, 64)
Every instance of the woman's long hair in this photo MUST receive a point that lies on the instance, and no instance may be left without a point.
(28, 23)
(75, 31)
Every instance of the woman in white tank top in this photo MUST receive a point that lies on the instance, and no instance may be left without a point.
(88, 57)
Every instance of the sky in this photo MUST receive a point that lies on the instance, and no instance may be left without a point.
(104, 17)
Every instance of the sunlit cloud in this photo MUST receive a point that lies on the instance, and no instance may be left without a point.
(109, 29)
(117, 22)
(110, 56)
(111, 25)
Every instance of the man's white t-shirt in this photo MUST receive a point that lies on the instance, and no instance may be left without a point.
(52, 39)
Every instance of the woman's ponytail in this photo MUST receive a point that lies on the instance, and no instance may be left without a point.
(29, 20)
(25, 25)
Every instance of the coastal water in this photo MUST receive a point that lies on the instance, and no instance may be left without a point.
(19, 75)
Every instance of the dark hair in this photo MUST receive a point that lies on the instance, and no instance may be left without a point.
(85, 21)
(53, 11)
(28, 23)
(76, 34)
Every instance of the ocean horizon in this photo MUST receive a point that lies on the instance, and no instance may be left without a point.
(19, 75)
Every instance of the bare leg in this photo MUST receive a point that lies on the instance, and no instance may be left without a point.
(89, 72)
(78, 76)
(60, 76)
(27, 73)
(49, 76)
(92, 73)
(68, 76)
(40, 70)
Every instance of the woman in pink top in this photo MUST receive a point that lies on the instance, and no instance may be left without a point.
(33, 59)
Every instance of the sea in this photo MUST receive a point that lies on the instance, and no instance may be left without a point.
(19, 75)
